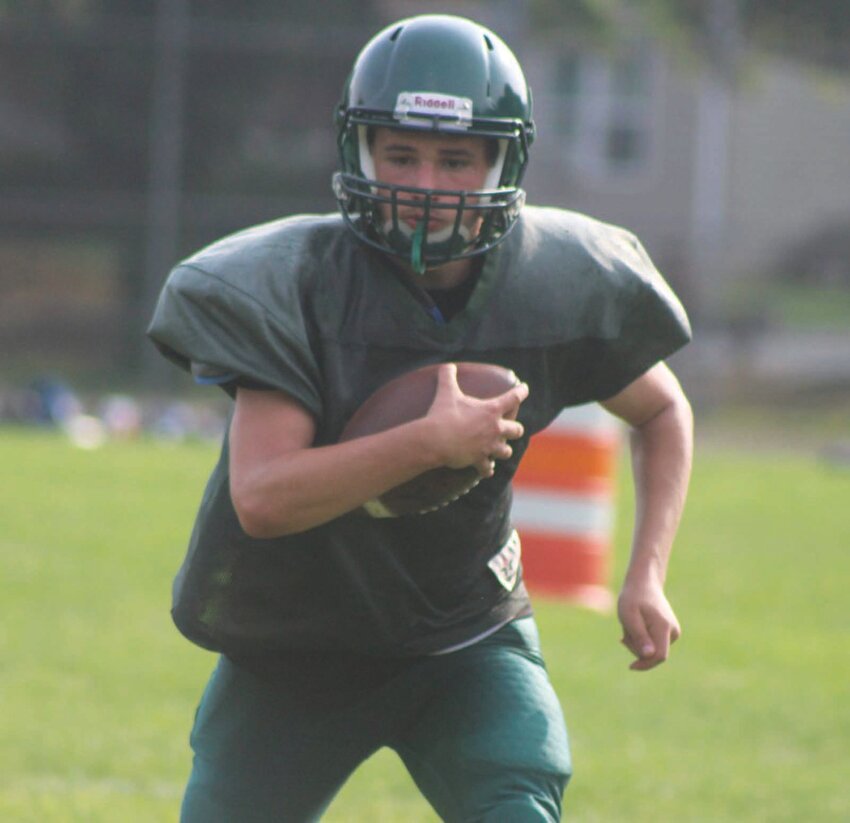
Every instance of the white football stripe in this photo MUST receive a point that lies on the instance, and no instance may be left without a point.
(562, 515)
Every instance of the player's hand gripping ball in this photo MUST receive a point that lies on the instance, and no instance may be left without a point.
(408, 397)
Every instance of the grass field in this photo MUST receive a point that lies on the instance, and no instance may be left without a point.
(748, 721)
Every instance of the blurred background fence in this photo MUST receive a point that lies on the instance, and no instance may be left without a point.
(134, 131)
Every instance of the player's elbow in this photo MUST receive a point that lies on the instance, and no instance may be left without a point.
(671, 412)
(260, 517)
(254, 521)
(683, 414)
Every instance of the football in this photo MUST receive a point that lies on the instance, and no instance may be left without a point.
(408, 397)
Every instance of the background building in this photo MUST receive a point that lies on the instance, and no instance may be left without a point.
(133, 133)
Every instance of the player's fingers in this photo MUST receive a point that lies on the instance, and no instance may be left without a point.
(509, 402)
(663, 633)
(486, 468)
(636, 636)
(643, 665)
(675, 632)
(447, 376)
(661, 641)
(643, 651)
(511, 429)
(502, 451)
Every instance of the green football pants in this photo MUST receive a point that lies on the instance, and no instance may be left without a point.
(480, 730)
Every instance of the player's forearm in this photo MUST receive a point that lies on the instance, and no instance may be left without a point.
(661, 464)
(305, 488)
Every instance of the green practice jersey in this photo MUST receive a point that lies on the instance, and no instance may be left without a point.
(575, 307)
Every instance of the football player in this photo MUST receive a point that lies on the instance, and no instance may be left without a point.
(341, 633)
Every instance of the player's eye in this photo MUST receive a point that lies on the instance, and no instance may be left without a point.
(400, 160)
(456, 163)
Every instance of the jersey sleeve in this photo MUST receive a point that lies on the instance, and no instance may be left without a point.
(643, 322)
(226, 335)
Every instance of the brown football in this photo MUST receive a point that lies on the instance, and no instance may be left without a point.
(408, 397)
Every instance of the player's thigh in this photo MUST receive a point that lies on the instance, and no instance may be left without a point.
(492, 743)
(262, 754)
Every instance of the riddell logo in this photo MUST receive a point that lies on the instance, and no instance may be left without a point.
(433, 102)
(415, 106)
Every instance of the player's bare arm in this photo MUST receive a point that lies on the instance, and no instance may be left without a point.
(661, 444)
(281, 484)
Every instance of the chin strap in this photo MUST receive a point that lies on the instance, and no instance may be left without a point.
(416, 248)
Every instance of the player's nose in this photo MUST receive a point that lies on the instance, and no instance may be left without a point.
(426, 176)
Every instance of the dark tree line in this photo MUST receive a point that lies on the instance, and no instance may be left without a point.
(814, 31)
(252, 69)
(157, 147)
(86, 66)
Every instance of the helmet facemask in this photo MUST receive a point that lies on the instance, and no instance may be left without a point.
(371, 209)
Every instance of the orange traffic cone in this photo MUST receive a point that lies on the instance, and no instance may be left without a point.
(564, 506)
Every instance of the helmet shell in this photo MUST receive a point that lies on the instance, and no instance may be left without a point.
(444, 54)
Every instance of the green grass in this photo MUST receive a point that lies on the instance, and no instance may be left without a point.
(811, 307)
(748, 721)
(791, 306)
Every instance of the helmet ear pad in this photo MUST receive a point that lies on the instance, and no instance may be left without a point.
(365, 135)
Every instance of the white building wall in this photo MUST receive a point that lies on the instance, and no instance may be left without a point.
(790, 162)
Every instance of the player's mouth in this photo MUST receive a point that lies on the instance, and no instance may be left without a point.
(414, 219)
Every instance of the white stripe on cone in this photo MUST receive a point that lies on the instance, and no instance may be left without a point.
(546, 511)
(588, 419)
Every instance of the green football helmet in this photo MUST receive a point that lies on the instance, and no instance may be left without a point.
(438, 73)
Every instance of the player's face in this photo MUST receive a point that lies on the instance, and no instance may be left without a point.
(430, 161)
